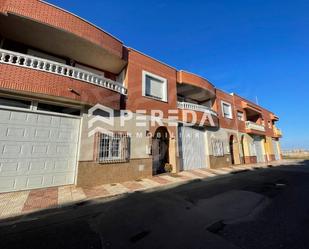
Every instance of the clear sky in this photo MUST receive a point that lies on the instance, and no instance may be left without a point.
(255, 48)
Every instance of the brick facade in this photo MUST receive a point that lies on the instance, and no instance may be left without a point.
(137, 63)
(56, 17)
(31, 81)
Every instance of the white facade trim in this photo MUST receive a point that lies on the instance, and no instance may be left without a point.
(165, 86)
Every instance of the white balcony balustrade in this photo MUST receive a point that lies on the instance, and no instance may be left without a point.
(35, 63)
(254, 126)
(195, 107)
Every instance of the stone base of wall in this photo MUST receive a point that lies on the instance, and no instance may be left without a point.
(93, 174)
(220, 161)
(250, 159)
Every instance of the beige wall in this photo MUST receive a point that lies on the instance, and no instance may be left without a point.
(139, 141)
(224, 135)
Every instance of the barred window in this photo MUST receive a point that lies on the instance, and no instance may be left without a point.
(218, 148)
(113, 148)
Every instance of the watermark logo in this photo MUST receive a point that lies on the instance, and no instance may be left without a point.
(103, 119)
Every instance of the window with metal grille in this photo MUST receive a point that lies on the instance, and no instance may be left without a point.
(113, 147)
(217, 147)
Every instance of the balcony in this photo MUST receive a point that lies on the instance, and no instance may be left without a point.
(200, 111)
(195, 107)
(49, 28)
(35, 63)
(254, 128)
(194, 87)
(277, 132)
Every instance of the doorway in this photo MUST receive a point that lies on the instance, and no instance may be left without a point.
(232, 149)
(160, 150)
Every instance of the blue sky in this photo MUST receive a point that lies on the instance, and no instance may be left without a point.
(250, 47)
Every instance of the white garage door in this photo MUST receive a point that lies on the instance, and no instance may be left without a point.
(37, 150)
(192, 147)
(276, 150)
(259, 150)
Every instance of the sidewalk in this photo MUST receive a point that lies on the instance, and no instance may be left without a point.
(24, 202)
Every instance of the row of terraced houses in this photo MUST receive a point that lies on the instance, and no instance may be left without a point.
(60, 76)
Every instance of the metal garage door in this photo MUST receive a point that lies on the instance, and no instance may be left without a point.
(259, 150)
(276, 149)
(37, 150)
(192, 147)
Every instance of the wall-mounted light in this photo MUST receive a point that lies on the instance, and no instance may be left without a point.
(73, 91)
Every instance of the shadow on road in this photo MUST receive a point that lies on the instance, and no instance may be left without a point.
(194, 215)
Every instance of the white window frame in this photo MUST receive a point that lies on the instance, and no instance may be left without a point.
(230, 107)
(122, 151)
(242, 118)
(164, 80)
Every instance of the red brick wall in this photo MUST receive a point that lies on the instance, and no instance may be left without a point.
(265, 114)
(185, 77)
(61, 19)
(267, 117)
(238, 107)
(38, 82)
(138, 62)
(225, 122)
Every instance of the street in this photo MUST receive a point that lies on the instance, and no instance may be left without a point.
(264, 208)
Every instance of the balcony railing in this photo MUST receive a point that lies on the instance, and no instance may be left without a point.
(195, 107)
(254, 126)
(277, 132)
(28, 61)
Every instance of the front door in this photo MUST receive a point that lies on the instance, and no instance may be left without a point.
(160, 155)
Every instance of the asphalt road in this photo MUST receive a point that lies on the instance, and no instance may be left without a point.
(265, 208)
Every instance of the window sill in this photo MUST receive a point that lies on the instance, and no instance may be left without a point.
(153, 98)
(114, 161)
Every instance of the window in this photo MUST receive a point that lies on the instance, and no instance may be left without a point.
(217, 148)
(269, 124)
(58, 109)
(240, 116)
(154, 86)
(113, 147)
(15, 103)
(226, 110)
